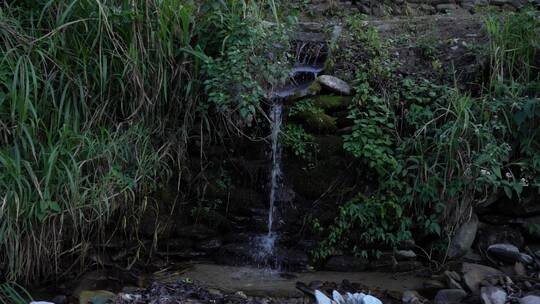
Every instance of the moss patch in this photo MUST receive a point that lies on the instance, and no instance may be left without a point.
(318, 121)
(333, 102)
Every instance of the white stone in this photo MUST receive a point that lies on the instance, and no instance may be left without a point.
(370, 300)
(322, 298)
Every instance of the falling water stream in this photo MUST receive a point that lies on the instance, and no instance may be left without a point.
(267, 242)
(309, 62)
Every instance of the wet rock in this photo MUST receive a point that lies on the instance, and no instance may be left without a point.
(310, 37)
(530, 300)
(197, 232)
(450, 296)
(464, 238)
(474, 274)
(335, 84)
(96, 297)
(492, 295)
(346, 263)
(405, 255)
(508, 253)
(209, 245)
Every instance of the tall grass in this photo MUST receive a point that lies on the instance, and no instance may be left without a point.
(13, 294)
(514, 47)
(99, 101)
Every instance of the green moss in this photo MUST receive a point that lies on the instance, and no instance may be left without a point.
(332, 102)
(315, 87)
(318, 121)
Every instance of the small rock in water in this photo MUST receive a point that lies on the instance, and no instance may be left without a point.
(529, 300)
(450, 296)
(492, 295)
(509, 253)
(335, 84)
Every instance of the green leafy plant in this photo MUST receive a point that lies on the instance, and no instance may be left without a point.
(301, 143)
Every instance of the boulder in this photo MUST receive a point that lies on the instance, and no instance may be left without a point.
(464, 238)
(335, 85)
(508, 253)
(474, 274)
(450, 296)
(492, 295)
(346, 263)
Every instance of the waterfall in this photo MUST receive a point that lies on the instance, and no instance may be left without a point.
(267, 242)
(275, 175)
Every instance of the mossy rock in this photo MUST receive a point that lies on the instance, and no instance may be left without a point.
(318, 122)
(333, 102)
